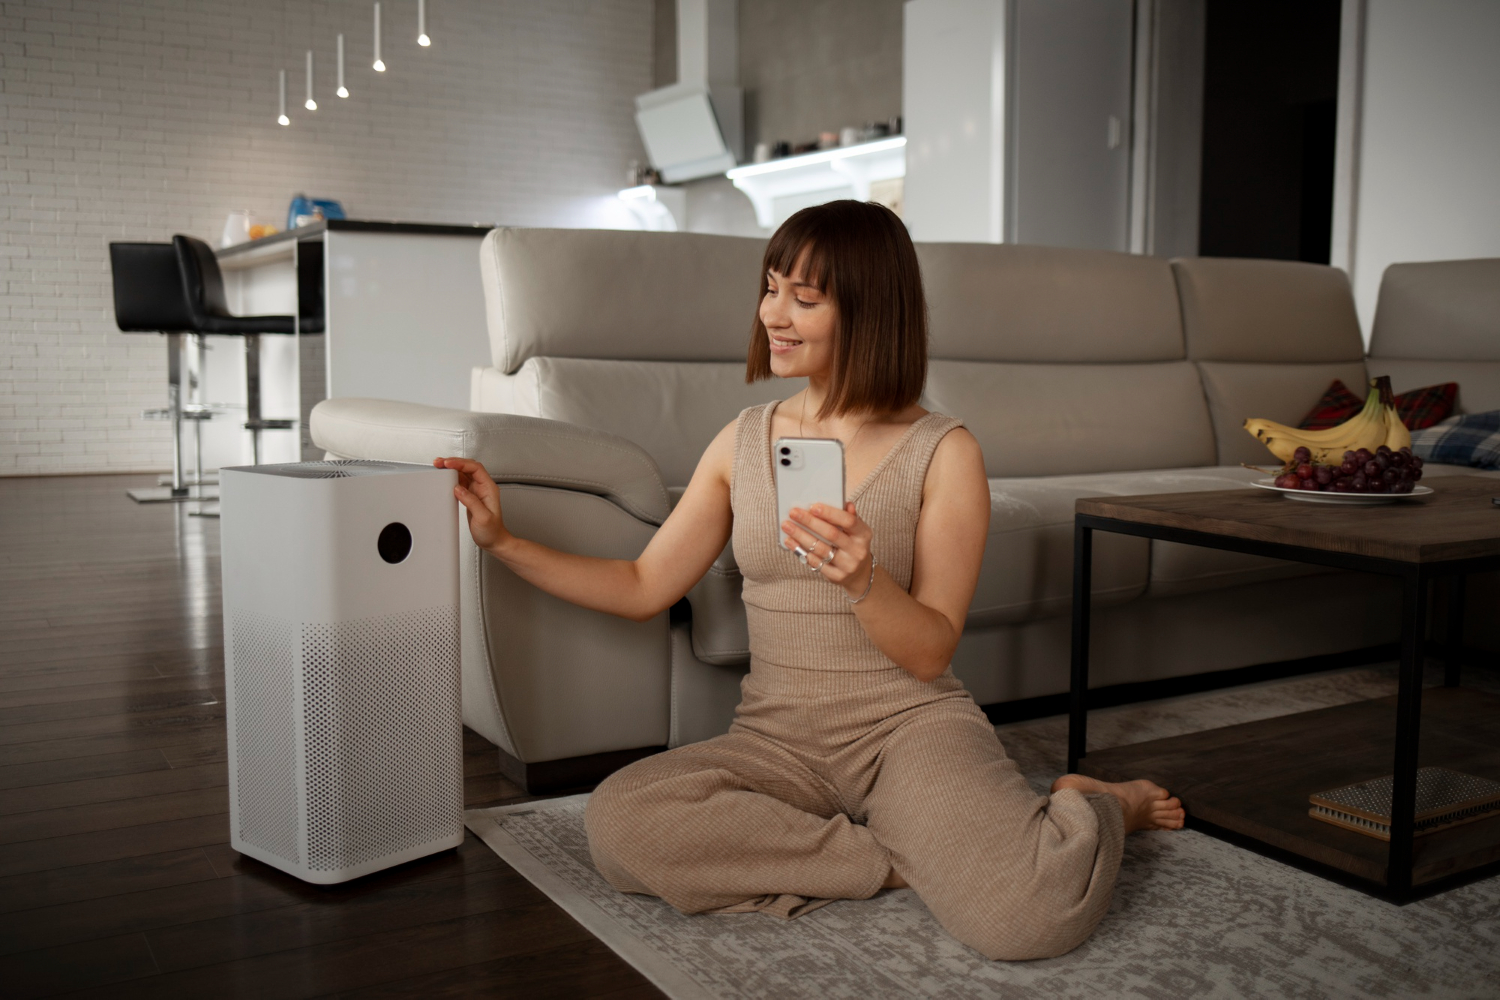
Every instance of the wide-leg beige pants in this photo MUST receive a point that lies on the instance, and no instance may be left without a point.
(748, 821)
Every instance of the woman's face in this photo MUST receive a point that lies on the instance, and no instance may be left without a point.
(800, 321)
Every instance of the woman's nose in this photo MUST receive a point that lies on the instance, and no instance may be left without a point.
(771, 313)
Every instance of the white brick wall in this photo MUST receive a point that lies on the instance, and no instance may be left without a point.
(137, 119)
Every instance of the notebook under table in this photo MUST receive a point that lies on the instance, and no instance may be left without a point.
(1444, 798)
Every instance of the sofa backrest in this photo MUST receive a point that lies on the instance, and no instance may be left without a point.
(1269, 337)
(1063, 361)
(639, 334)
(625, 296)
(1440, 322)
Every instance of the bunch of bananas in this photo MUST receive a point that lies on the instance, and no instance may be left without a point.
(1375, 425)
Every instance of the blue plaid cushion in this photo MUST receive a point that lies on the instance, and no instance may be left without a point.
(1472, 440)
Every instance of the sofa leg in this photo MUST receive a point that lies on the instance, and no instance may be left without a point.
(571, 773)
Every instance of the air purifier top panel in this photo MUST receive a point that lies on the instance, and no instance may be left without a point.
(342, 468)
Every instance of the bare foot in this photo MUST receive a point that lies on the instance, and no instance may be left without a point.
(1147, 805)
(894, 881)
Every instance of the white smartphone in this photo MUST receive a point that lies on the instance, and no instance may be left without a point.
(808, 471)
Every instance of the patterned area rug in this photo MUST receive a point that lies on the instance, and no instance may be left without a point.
(1191, 916)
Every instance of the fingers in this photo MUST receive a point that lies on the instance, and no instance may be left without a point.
(844, 519)
(475, 505)
(472, 475)
(819, 527)
(798, 535)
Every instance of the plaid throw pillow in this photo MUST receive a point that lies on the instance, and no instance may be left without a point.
(1417, 408)
(1472, 440)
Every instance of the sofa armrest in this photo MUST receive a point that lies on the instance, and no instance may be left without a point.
(514, 449)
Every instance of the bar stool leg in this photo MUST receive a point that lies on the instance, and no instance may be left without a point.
(252, 394)
(174, 404)
(179, 489)
(198, 352)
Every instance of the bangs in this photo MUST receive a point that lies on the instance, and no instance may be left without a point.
(797, 241)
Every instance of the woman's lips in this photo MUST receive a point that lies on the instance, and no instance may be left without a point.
(782, 345)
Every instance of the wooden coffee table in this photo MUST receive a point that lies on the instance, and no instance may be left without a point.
(1250, 783)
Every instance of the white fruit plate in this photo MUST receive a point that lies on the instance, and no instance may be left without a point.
(1347, 499)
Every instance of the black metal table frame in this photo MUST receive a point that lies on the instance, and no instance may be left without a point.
(1415, 579)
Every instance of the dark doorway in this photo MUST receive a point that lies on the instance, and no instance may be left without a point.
(1270, 97)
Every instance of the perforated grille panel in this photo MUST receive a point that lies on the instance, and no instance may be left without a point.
(383, 736)
(265, 749)
(335, 468)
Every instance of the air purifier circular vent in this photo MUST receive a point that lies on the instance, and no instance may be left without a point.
(394, 542)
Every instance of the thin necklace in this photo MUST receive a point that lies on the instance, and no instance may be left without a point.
(802, 412)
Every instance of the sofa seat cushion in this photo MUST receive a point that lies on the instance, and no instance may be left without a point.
(1028, 564)
(1027, 572)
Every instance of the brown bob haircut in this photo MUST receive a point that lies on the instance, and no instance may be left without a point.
(859, 255)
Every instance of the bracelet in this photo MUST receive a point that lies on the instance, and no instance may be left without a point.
(868, 587)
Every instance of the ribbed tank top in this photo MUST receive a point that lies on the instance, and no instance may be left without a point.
(798, 619)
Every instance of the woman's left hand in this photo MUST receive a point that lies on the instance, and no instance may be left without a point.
(837, 543)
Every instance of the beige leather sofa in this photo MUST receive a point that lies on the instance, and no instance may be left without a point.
(618, 356)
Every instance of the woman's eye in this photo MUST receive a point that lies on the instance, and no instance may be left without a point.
(805, 304)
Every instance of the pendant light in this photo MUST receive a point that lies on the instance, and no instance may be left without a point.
(379, 63)
(282, 119)
(311, 104)
(422, 38)
(343, 91)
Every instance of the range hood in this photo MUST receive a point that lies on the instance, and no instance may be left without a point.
(694, 128)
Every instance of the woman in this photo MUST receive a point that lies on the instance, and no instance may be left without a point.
(856, 760)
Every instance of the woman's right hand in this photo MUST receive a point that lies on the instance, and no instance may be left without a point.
(481, 498)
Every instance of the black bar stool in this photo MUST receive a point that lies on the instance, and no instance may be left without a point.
(208, 309)
(149, 298)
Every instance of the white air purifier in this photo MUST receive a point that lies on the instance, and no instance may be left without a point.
(341, 662)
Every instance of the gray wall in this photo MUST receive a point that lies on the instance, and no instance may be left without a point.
(818, 65)
(137, 119)
(807, 66)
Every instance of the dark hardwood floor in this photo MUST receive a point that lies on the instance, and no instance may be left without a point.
(116, 875)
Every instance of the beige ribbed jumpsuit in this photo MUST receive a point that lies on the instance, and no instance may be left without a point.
(840, 765)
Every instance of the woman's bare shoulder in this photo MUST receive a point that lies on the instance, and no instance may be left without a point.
(957, 459)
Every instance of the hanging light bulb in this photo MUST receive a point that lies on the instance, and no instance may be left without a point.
(422, 38)
(282, 119)
(311, 104)
(379, 63)
(343, 91)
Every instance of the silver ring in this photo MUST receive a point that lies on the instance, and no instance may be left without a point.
(800, 553)
(828, 559)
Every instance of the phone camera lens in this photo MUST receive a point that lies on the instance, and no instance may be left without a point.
(786, 461)
(786, 451)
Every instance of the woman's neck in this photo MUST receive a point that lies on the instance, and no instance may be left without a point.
(840, 425)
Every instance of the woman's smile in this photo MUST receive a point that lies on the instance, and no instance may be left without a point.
(782, 345)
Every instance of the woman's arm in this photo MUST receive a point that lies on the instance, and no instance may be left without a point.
(676, 558)
(919, 630)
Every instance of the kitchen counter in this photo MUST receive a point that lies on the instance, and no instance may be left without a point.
(400, 306)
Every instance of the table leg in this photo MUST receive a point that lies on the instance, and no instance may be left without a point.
(1408, 732)
(1078, 691)
(1455, 638)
